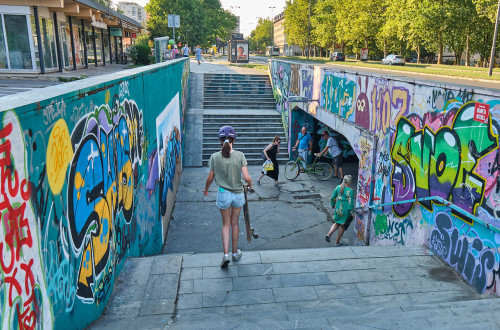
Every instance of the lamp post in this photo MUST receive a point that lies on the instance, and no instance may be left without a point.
(272, 28)
(492, 56)
(309, 32)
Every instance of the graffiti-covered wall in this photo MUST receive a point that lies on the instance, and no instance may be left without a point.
(429, 160)
(88, 175)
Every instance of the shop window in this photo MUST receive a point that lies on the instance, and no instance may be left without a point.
(18, 41)
(3, 50)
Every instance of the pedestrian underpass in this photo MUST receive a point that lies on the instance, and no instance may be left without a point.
(90, 176)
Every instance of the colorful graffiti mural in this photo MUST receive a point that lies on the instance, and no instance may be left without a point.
(427, 145)
(72, 198)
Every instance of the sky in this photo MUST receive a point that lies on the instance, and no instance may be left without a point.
(248, 10)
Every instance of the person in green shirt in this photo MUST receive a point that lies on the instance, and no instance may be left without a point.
(342, 202)
(226, 168)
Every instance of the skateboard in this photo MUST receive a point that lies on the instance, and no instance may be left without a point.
(250, 231)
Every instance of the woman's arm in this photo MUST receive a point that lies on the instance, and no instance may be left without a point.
(334, 197)
(210, 179)
(246, 176)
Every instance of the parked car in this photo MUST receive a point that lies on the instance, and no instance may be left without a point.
(394, 60)
(337, 56)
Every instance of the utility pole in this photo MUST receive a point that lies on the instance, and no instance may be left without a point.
(492, 56)
(309, 32)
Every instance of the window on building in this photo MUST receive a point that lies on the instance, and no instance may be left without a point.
(15, 51)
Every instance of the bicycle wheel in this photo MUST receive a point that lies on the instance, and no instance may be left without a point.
(323, 171)
(292, 170)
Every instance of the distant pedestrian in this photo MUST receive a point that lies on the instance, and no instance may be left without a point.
(226, 167)
(199, 57)
(342, 202)
(270, 153)
(304, 143)
(332, 146)
(185, 51)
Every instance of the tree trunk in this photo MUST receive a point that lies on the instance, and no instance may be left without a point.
(440, 52)
(385, 48)
(418, 53)
(467, 51)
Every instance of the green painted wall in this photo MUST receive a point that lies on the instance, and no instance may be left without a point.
(88, 176)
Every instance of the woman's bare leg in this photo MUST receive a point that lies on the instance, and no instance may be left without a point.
(340, 233)
(226, 222)
(334, 227)
(235, 213)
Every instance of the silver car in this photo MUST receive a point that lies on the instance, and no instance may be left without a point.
(394, 60)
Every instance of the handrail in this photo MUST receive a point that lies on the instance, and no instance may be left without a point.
(446, 203)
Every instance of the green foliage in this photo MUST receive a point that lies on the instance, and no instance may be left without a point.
(202, 21)
(261, 37)
(141, 54)
(393, 26)
(142, 39)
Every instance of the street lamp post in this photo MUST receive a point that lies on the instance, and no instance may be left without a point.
(272, 28)
(309, 32)
(492, 56)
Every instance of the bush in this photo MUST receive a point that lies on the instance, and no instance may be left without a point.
(140, 54)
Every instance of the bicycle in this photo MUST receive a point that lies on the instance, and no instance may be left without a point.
(322, 171)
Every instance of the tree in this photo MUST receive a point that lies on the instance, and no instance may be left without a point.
(323, 23)
(202, 21)
(296, 22)
(358, 22)
(261, 36)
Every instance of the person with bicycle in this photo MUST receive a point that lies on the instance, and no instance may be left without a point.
(333, 147)
(304, 144)
(226, 168)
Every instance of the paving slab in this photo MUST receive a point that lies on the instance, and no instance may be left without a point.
(297, 293)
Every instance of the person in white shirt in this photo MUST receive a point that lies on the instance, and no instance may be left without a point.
(185, 51)
(333, 147)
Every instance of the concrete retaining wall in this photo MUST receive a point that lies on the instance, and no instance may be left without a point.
(415, 140)
(89, 172)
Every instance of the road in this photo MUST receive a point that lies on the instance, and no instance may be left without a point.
(493, 86)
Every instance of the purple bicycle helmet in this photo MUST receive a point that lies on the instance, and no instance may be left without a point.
(227, 131)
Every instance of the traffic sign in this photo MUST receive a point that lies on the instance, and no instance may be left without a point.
(174, 21)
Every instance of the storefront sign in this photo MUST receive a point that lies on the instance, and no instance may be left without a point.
(115, 32)
(133, 35)
(481, 112)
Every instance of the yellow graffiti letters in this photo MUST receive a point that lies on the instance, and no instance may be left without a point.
(59, 154)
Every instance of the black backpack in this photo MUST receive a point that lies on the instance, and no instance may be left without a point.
(339, 144)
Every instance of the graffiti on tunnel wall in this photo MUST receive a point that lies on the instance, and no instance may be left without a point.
(441, 163)
(74, 175)
(427, 144)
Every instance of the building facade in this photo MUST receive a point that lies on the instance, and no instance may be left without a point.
(134, 11)
(279, 37)
(55, 35)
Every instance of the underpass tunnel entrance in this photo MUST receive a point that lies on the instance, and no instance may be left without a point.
(358, 156)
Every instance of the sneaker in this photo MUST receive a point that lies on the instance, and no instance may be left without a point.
(225, 261)
(327, 238)
(258, 182)
(339, 244)
(237, 255)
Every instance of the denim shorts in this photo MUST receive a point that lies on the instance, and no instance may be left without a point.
(226, 199)
(303, 153)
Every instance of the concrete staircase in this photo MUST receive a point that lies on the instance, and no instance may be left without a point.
(246, 103)
(238, 91)
(340, 288)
